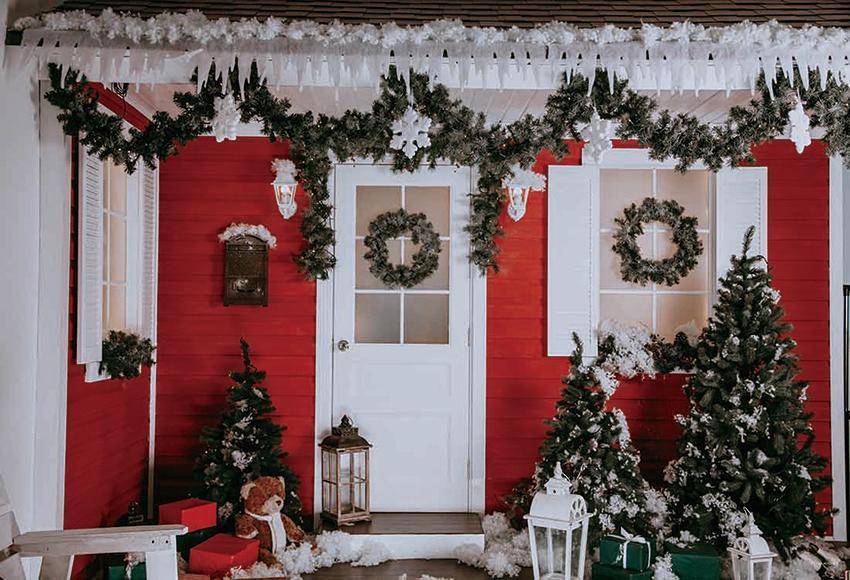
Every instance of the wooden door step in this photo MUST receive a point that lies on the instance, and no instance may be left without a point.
(410, 536)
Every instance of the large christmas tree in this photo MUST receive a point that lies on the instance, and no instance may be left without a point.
(593, 445)
(747, 438)
(244, 445)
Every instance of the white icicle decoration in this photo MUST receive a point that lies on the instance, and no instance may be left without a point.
(226, 118)
(410, 133)
(598, 135)
(800, 134)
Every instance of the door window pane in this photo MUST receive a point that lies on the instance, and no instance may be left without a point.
(433, 202)
(426, 318)
(363, 277)
(373, 200)
(377, 318)
(439, 280)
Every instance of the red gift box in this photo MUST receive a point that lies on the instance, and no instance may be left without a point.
(222, 552)
(195, 514)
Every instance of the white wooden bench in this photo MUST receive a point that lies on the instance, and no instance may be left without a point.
(58, 548)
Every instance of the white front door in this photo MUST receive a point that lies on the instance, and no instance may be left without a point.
(401, 364)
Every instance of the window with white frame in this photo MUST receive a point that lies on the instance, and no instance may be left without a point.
(662, 309)
(585, 285)
(116, 266)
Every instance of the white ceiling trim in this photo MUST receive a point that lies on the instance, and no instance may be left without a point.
(684, 56)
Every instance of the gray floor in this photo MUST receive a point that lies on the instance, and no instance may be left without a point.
(413, 568)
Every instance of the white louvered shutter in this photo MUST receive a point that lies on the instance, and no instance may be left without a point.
(89, 258)
(573, 258)
(741, 203)
(150, 222)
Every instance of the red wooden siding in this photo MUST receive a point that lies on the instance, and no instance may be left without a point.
(202, 190)
(523, 383)
(107, 428)
(208, 185)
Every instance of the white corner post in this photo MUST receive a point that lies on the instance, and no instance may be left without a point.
(836, 347)
(52, 347)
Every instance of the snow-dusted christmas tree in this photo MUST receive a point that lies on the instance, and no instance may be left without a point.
(593, 445)
(244, 445)
(747, 437)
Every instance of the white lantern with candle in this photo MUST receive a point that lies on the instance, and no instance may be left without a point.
(557, 530)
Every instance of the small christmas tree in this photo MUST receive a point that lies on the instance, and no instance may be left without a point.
(244, 445)
(593, 446)
(747, 440)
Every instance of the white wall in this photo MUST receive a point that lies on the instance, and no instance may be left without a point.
(19, 238)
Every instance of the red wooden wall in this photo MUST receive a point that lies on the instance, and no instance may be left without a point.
(107, 421)
(208, 185)
(523, 383)
(202, 190)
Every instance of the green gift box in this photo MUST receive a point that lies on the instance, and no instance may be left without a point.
(119, 572)
(630, 552)
(601, 571)
(191, 539)
(695, 562)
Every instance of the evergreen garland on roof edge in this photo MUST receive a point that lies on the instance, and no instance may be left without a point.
(459, 135)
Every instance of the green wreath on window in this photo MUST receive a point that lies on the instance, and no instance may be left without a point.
(635, 268)
(391, 225)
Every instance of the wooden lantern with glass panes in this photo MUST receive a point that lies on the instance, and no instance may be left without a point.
(345, 475)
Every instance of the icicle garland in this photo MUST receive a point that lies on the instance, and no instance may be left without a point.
(457, 134)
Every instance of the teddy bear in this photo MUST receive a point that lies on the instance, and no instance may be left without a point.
(262, 519)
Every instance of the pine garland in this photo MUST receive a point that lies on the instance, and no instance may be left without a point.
(124, 354)
(458, 135)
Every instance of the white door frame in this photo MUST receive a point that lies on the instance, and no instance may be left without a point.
(477, 362)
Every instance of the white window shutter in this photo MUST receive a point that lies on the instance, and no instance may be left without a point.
(573, 258)
(741, 202)
(150, 223)
(89, 258)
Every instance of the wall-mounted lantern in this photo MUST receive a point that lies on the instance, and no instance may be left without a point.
(284, 187)
(519, 185)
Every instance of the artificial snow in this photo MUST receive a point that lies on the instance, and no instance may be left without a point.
(327, 549)
(258, 231)
(506, 550)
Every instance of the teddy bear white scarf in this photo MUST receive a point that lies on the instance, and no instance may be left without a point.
(276, 525)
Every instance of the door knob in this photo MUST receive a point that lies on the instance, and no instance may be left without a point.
(343, 345)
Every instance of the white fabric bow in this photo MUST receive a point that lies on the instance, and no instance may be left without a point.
(628, 538)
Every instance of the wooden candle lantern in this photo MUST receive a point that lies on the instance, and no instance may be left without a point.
(345, 475)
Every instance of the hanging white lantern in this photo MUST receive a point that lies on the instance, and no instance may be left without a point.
(284, 187)
(519, 185)
(751, 556)
(557, 531)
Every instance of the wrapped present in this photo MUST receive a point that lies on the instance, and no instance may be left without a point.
(222, 552)
(194, 513)
(695, 562)
(601, 571)
(189, 540)
(118, 571)
(627, 551)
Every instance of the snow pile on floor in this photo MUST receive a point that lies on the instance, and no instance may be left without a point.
(816, 559)
(505, 552)
(327, 549)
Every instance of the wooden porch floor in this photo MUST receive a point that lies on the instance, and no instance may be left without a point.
(413, 568)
